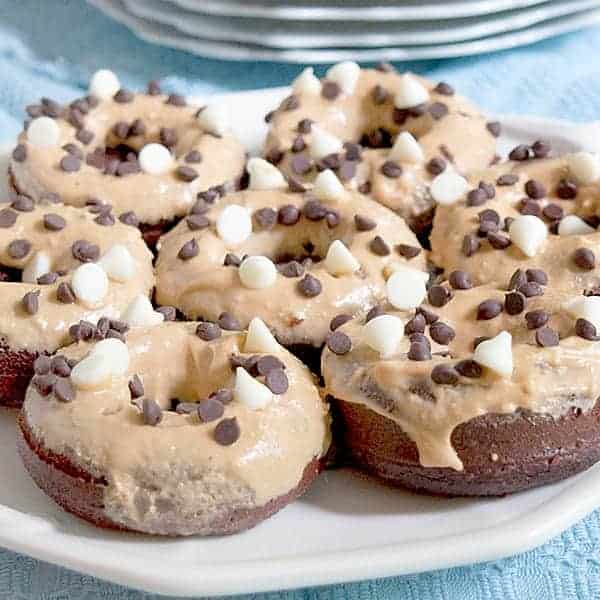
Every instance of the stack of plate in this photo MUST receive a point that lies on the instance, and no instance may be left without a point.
(320, 31)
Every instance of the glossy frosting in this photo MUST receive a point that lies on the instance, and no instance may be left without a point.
(176, 470)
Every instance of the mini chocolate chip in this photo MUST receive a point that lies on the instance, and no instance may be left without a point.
(85, 136)
(268, 363)
(18, 249)
(314, 210)
(476, 197)
(74, 150)
(105, 219)
(231, 260)
(330, 90)
(566, 190)
(519, 153)
(488, 309)
(168, 137)
(498, 241)
(276, 380)
(223, 395)
(374, 312)
(193, 157)
(54, 222)
(438, 110)
(129, 218)
(536, 318)
(70, 164)
(60, 366)
(339, 343)
(288, 215)
(494, 127)
(407, 251)
(486, 227)
(19, 154)
(121, 129)
(391, 169)
(429, 316)
(298, 145)
(169, 313)
(309, 286)
(365, 188)
(189, 250)
(292, 102)
(540, 149)
(379, 246)
(514, 303)
(210, 410)
(347, 170)
(517, 279)
(469, 368)
(23, 204)
(460, 280)
(153, 88)
(266, 217)
(553, 212)
(415, 325)
(208, 331)
(530, 207)
(186, 173)
(537, 276)
(443, 88)
(436, 166)
(44, 384)
(584, 258)
(47, 278)
(441, 333)
(444, 375)
(138, 127)
(64, 293)
(176, 100)
(586, 330)
(333, 219)
(470, 245)
(197, 222)
(530, 289)
(363, 223)
(439, 295)
(419, 351)
(227, 432)
(42, 365)
(7, 218)
(489, 214)
(546, 337)
(339, 320)
(123, 96)
(228, 322)
(151, 412)
(83, 251)
(301, 164)
(30, 302)
(379, 94)
(507, 179)
(291, 269)
(535, 189)
(184, 408)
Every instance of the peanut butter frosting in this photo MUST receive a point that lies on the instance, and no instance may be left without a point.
(47, 243)
(201, 273)
(431, 391)
(449, 130)
(166, 467)
(473, 234)
(95, 152)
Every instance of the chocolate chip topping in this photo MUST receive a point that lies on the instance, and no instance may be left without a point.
(153, 88)
(197, 222)
(136, 387)
(54, 222)
(313, 210)
(444, 375)
(494, 127)
(83, 251)
(585, 259)
(460, 280)
(63, 390)
(228, 322)
(169, 313)
(519, 153)
(208, 331)
(489, 309)
(530, 289)
(70, 163)
(288, 215)
(507, 179)
(415, 325)
(391, 169)
(19, 154)
(65, 294)
(85, 136)
(438, 110)
(470, 245)
(18, 249)
(536, 318)
(44, 384)
(517, 279)
(291, 269)
(309, 286)
(514, 303)
(439, 295)
(187, 174)
(339, 343)
(189, 250)
(276, 380)
(553, 212)
(42, 365)
(407, 251)
(176, 100)
(376, 311)
(419, 351)
(586, 330)
(168, 137)
(363, 223)
(436, 166)
(339, 320)
(330, 90)
(210, 410)
(441, 333)
(537, 276)
(227, 432)
(566, 190)
(223, 395)
(30, 302)
(535, 189)
(540, 149)
(469, 368)
(379, 246)
(266, 217)
(151, 412)
(7, 218)
(546, 337)
(266, 364)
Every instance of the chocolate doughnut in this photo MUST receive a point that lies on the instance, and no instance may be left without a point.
(59, 266)
(382, 132)
(147, 156)
(181, 429)
(294, 258)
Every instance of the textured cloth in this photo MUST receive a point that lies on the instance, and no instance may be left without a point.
(50, 48)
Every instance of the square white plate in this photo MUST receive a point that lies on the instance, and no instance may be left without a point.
(346, 528)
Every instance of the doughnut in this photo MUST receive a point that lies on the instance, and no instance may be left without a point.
(60, 265)
(384, 133)
(293, 258)
(180, 429)
(146, 156)
(533, 212)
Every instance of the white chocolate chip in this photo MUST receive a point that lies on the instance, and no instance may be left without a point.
(410, 92)
(104, 84)
(574, 225)
(90, 284)
(384, 334)
(307, 82)
(118, 263)
(406, 149)
(234, 225)
(496, 354)
(214, 118)
(584, 167)
(406, 288)
(257, 272)
(43, 132)
(259, 338)
(108, 358)
(39, 265)
(249, 391)
(339, 260)
(323, 143)
(140, 313)
(528, 233)
(345, 74)
(328, 187)
(155, 159)
(586, 307)
(264, 175)
(448, 187)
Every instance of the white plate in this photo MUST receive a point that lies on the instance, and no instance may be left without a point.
(346, 528)
(168, 35)
(357, 10)
(308, 34)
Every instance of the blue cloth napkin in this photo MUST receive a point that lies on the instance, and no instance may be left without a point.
(50, 48)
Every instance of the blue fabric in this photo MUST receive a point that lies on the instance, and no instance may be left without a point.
(50, 47)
